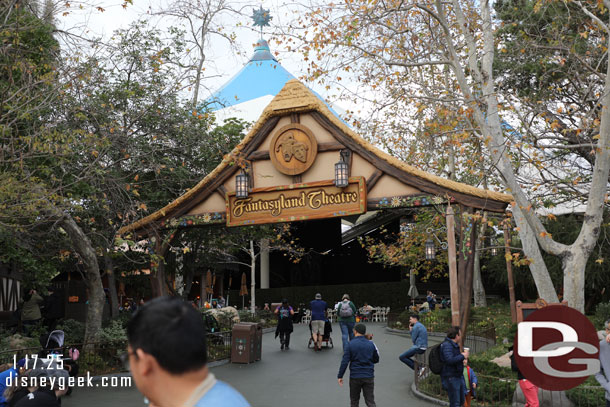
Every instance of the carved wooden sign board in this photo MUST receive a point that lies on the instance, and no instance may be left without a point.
(314, 200)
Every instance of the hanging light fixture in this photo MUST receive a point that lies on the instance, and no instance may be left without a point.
(341, 172)
(430, 249)
(242, 184)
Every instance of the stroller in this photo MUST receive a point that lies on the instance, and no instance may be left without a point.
(328, 328)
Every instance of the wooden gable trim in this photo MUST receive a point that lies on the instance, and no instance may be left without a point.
(411, 180)
(322, 147)
(372, 180)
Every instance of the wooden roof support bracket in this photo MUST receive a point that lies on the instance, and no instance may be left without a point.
(372, 180)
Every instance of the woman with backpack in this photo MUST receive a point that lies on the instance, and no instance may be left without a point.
(346, 313)
(284, 323)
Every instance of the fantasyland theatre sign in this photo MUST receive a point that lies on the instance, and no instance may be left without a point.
(297, 202)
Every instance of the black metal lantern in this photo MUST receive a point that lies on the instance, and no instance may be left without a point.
(242, 184)
(430, 249)
(341, 174)
(494, 251)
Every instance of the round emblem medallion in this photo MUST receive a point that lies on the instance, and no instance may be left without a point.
(293, 149)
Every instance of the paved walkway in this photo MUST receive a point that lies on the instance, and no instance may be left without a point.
(298, 377)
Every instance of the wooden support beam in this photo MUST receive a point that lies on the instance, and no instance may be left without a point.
(453, 277)
(259, 155)
(264, 154)
(295, 118)
(372, 180)
(330, 146)
(222, 191)
(509, 271)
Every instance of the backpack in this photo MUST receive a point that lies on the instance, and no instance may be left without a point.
(345, 310)
(434, 359)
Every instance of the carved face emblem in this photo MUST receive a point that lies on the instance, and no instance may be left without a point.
(291, 147)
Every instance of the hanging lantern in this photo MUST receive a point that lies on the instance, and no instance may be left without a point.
(241, 185)
(494, 251)
(341, 174)
(430, 249)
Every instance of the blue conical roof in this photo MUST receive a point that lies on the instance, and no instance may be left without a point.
(263, 75)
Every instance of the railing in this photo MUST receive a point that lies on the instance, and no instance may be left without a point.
(219, 345)
(105, 357)
(503, 392)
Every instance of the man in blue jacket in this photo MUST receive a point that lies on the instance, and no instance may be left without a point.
(452, 374)
(419, 337)
(603, 376)
(360, 354)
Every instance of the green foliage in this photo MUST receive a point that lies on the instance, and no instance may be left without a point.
(589, 393)
(74, 331)
(406, 248)
(114, 332)
(602, 314)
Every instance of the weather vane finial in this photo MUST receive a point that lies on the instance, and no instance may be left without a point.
(261, 18)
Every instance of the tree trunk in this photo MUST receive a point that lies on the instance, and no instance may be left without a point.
(114, 298)
(477, 281)
(86, 252)
(574, 265)
(252, 278)
(542, 278)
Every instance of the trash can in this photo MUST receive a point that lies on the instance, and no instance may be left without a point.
(258, 346)
(243, 343)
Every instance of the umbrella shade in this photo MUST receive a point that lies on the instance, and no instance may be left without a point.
(244, 288)
(412, 289)
(208, 282)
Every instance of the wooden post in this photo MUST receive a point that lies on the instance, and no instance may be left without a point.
(453, 277)
(509, 271)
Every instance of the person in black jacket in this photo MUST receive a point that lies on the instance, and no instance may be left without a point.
(360, 354)
(452, 374)
(284, 323)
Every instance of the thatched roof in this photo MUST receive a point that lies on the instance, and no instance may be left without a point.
(297, 98)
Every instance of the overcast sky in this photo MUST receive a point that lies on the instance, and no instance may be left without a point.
(224, 62)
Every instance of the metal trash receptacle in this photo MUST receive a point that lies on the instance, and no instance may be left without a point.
(243, 343)
(258, 339)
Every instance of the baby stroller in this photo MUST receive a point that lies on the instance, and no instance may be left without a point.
(53, 344)
(328, 328)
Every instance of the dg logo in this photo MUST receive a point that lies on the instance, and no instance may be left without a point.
(556, 348)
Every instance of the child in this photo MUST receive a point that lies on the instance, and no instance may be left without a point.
(471, 381)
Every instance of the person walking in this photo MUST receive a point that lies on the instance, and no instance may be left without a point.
(318, 317)
(284, 323)
(346, 313)
(419, 337)
(529, 389)
(360, 354)
(452, 374)
(603, 376)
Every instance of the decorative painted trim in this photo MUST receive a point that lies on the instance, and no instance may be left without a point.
(406, 201)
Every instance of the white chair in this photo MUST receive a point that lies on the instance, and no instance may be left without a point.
(307, 317)
(376, 314)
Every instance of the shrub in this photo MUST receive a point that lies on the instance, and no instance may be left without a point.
(74, 331)
(587, 394)
(602, 314)
(113, 333)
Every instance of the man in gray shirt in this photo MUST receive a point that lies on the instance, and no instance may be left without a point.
(603, 377)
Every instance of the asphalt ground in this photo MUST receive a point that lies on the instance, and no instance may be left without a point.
(298, 377)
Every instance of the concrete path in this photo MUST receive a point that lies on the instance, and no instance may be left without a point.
(298, 377)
